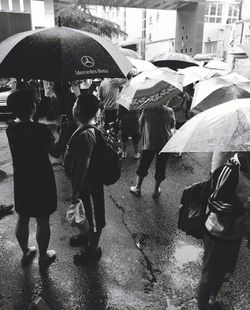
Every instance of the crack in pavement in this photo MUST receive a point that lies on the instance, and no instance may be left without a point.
(139, 240)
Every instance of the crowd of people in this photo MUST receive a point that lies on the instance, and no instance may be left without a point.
(35, 193)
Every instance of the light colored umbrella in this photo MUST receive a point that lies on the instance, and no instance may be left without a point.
(224, 128)
(217, 90)
(61, 54)
(150, 86)
(129, 53)
(194, 74)
(142, 65)
(217, 64)
(173, 60)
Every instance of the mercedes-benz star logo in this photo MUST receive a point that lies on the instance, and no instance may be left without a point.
(88, 61)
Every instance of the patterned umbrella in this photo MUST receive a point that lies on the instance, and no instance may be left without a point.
(173, 60)
(61, 54)
(150, 87)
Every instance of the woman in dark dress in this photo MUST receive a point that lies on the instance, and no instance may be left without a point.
(34, 181)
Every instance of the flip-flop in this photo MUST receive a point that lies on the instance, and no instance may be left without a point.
(48, 259)
(29, 255)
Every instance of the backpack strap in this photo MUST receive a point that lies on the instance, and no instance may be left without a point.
(79, 131)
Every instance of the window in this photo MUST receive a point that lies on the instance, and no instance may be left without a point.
(187, 37)
(182, 38)
(186, 50)
(213, 13)
(150, 37)
(172, 43)
(190, 50)
(150, 20)
(207, 8)
(230, 11)
(219, 10)
(182, 50)
(183, 27)
(213, 9)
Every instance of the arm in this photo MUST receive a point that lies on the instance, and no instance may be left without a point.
(84, 149)
(56, 148)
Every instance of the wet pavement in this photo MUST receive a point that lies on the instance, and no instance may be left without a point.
(147, 264)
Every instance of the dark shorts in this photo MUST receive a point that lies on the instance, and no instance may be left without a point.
(93, 201)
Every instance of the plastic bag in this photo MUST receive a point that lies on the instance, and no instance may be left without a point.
(76, 216)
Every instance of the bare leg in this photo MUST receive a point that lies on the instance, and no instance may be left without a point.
(43, 235)
(124, 147)
(157, 186)
(22, 232)
(94, 238)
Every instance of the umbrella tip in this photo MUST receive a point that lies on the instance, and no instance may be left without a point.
(59, 21)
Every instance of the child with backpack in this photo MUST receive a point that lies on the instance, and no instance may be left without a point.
(85, 163)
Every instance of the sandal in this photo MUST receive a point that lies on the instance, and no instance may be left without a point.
(29, 255)
(157, 195)
(45, 261)
(88, 256)
(79, 240)
(135, 191)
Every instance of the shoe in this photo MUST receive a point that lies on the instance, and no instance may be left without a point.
(137, 155)
(135, 191)
(124, 154)
(157, 195)
(80, 240)
(88, 256)
(29, 255)
(48, 259)
(5, 209)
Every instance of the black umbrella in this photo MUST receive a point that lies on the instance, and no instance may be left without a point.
(173, 60)
(61, 54)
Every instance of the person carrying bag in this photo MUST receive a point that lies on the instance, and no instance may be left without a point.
(228, 221)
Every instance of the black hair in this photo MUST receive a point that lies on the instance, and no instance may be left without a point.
(21, 102)
(88, 104)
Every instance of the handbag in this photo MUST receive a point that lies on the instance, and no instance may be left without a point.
(76, 216)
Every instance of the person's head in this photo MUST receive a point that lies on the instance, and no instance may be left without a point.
(244, 159)
(21, 102)
(85, 107)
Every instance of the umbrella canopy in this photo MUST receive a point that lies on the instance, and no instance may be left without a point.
(194, 74)
(224, 128)
(217, 90)
(129, 53)
(142, 65)
(217, 64)
(173, 60)
(151, 86)
(60, 54)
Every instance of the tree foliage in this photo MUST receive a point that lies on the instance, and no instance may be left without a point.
(78, 16)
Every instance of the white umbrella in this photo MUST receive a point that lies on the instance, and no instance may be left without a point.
(150, 86)
(141, 65)
(217, 64)
(217, 90)
(194, 74)
(224, 128)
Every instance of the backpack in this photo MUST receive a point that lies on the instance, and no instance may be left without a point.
(192, 211)
(105, 158)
